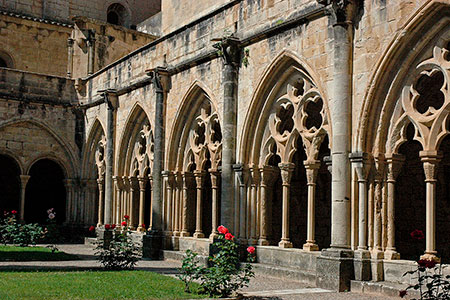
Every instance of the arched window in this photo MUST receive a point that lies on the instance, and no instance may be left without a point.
(6, 61)
(117, 14)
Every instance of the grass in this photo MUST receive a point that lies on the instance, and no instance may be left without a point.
(91, 285)
(14, 253)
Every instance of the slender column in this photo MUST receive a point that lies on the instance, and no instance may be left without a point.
(377, 251)
(90, 42)
(126, 196)
(178, 200)
(70, 57)
(150, 178)
(100, 183)
(370, 213)
(173, 203)
(92, 187)
(394, 163)
(286, 175)
(430, 161)
(70, 207)
(187, 179)
(132, 204)
(111, 101)
(115, 218)
(142, 182)
(229, 48)
(23, 185)
(242, 175)
(161, 84)
(215, 176)
(312, 168)
(253, 213)
(169, 182)
(268, 176)
(198, 225)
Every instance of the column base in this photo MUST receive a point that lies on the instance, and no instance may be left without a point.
(334, 269)
(141, 229)
(431, 255)
(310, 247)
(252, 242)
(285, 244)
(362, 265)
(176, 233)
(377, 265)
(185, 234)
(263, 242)
(199, 235)
(213, 235)
(152, 245)
(391, 255)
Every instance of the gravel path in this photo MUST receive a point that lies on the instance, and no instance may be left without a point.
(261, 287)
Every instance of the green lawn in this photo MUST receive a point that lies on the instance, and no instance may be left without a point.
(90, 285)
(13, 253)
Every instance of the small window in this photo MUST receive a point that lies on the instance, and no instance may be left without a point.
(6, 61)
(117, 14)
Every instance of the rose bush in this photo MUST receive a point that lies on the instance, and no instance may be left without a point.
(13, 232)
(224, 274)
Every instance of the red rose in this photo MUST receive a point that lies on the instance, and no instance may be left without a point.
(431, 264)
(143, 226)
(229, 236)
(107, 226)
(14, 212)
(222, 229)
(113, 226)
(124, 223)
(126, 217)
(92, 228)
(402, 293)
(251, 250)
(425, 263)
(417, 234)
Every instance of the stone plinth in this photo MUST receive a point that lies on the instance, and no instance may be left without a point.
(335, 269)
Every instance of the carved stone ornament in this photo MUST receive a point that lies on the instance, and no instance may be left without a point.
(143, 151)
(425, 102)
(298, 113)
(205, 139)
(100, 157)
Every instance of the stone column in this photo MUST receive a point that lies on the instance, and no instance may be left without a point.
(126, 196)
(150, 179)
(268, 176)
(253, 212)
(71, 212)
(377, 252)
(178, 200)
(312, 168)
(394, 164)
(116, 218)
(70, 57)
(286, 175)
(215, 176)
(229, 48)
(23, 185)
(134, 186)
(187, 178)
(242, 176)
(370, 212)
(90, 42)
(362, 254)
(340, 257)
(100, 183)
(430, 161)
(168, 207)
(142, 182)
(198, 215)
(111, 101)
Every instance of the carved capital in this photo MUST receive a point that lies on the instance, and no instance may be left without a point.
(380, 164)
(188, 180)
(160, 79)
(269, 175)
(361, 162)
(312, 168)
(215, 175)
(142, 183)
(111, 98)
(286, 172)
(199, 175)
(394, 164)
(254, 175)
(229, 49)
(133, 182)
(343, 10)
(430, 161)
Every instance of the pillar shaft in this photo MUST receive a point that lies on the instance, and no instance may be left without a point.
(253, 213)
(100, 183)
(286, 174)
(311, 176)
(178, 200)
(23, 185)
(184, 229)
(142, 182)
(198, 214)
(70, 57)
(132, 202)
(268, 176)
(215, 195)
(90, 41)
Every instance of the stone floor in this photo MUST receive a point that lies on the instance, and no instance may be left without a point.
(261, 287)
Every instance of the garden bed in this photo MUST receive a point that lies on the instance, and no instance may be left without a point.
(91, 285)
(15, 253)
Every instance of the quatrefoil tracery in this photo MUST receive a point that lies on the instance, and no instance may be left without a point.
(143, 151)
(299, 112)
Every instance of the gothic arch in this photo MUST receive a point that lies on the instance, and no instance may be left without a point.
(136, 143)
(90, 163)
(275, 85)
(196, 94)
(14, 157)
(70, 160)
(49, 156)
(426, 27)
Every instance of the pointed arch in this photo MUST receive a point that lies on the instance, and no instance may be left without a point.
(276, 74)
(136, 121)
(196, 94)
(95, 133)
(429, 23)
(70, 161)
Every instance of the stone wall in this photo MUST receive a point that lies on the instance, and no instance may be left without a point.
(63, 10)
(35, 46)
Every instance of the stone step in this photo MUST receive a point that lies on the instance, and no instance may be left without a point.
(179, 256)
(91, 241)
(285, 273)
(386, 288)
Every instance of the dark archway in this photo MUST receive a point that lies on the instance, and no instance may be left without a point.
(443, 203)
(410, 199)
(9, 184)
(323, 199)
(117, 14)
(45, 190)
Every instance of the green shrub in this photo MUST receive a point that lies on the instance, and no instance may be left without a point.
(12, 232)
